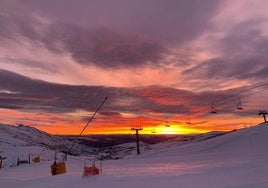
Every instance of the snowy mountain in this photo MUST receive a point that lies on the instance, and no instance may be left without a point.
(32, 141)
(22, 136)
(237, 159)
(27, 136)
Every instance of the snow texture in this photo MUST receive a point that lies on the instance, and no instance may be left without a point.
(237, 159)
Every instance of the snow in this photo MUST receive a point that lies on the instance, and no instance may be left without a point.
(234, 160)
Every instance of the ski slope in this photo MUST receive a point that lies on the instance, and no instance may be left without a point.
(234, 160)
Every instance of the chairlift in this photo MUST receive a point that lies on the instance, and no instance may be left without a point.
(213, 109)
(58, 167)
(167, 122)
(153, 130)
(24, 161)
(239, 105)
(38, 158)
(188, 121)
(91, 170)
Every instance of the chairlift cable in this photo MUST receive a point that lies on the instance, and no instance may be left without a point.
(92, 117)
(223, 101)
(245, 91)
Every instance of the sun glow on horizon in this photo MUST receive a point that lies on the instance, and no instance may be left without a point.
(171, 129)
(72, 124)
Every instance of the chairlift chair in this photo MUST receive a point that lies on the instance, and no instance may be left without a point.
(91, 170)
(239, 105)
(188, 121)
(167, 122)
(25, 161)
(153, 130)
(213, 109)
(38, 158)
(58, 167)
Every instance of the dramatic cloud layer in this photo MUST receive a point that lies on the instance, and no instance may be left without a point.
(154, 59)
(153, 102)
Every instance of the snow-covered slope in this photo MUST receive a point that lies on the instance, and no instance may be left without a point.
(234, 160)
(22, 141)
(27, 136)
(22, 136)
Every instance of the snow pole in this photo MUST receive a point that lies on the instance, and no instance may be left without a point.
(92, 117)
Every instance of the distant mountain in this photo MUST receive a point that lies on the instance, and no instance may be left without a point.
(103, 146)
(29, 136)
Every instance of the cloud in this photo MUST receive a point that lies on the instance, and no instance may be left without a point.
(245, 37)
(59, 104)
(240, 55)
(105, 48)
(139, 38)
(205, 47)
(16, 21)
(166, 20)
(19, 92)
(25, 93)
(37, 95)
(101, 47)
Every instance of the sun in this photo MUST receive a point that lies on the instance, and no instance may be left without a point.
(174, 129)
(168, 130)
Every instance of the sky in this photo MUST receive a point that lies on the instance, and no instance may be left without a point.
(164, 65)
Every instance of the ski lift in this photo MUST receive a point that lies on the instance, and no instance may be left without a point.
(188, 121)
(24, 161)
(239, 105)
(167, 122)
(213, 109)
(153, 130)
(58, 167)
(37, 159)
(92, 117)
(91, 170)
